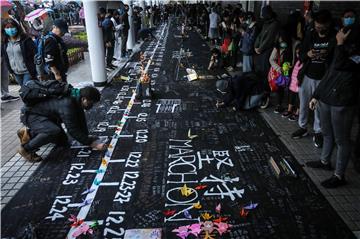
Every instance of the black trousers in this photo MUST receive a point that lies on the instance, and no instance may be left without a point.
(43, 131)
(124, 38)
(110, 53)
(262, 66)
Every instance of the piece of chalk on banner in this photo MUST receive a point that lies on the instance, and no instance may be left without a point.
(124, 78)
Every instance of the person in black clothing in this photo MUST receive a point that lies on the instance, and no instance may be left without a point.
(55, 51)
(146, 33)
(337, 96)
(125, 32)
(137, 23)
(316, 53)
(108, 30)
(263, 47)
(235, 90)
(44, 122)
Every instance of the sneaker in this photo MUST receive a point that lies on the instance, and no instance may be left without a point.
(239, 64)
(333, 182)
(9, 98)
(293, 117)
(319, 164)
(24, 135)
(29, 156)
(286, 114)
(318, 140)
(278, 109)
(298, 134)
(265, 102)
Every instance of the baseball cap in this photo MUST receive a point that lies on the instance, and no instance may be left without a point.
(61, 24)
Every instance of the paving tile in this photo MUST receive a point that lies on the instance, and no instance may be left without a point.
(8, 174)
(4, 192)
(14, 179)
(5, 199)
(11, 193)
(23, 179)
(18, 185)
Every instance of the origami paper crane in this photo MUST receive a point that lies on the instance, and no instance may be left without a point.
(208, 236)
(200, 187)
(110, 146)
(206, 216)
(185, 191)
(182, 231)
(75, 221)
(89, 190)
(97, 182)
(197, 205)
(222, 227)
(251, 206)
(191, 136)
(243, 213)
(195, 229)
(220, 219)
(187, 214)
(85, 202)
(103, 162)
(82, 229)
(169, 212)
(218, 208)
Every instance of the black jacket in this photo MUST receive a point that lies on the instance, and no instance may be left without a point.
(28, 50)
(108, 30)
(55, 52)
(340, 85)
(66, 110)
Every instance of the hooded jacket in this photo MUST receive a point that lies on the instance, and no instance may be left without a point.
(266, 38)
(28, 50)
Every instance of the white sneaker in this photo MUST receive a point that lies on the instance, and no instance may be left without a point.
(239, 64)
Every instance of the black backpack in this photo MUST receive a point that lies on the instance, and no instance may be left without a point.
(35, 91)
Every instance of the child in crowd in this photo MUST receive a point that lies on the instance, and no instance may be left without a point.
(292, 112)
(280, 54)
(225, 53)
(215, 59)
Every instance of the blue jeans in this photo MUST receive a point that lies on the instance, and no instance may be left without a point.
(22, 78)
(247, 63)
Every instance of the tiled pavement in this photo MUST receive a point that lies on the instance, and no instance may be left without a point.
(345, 200)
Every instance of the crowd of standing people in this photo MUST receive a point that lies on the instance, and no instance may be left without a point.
(309, 63)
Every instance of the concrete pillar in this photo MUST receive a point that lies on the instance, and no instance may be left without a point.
(95, 43)
(131, 35)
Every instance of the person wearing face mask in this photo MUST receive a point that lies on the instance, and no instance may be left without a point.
(247, 42)
(18, 51)
(316, 54)
(43, 122)
(337, 96)
(263, 47)
(55, 52)
(281, 53)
